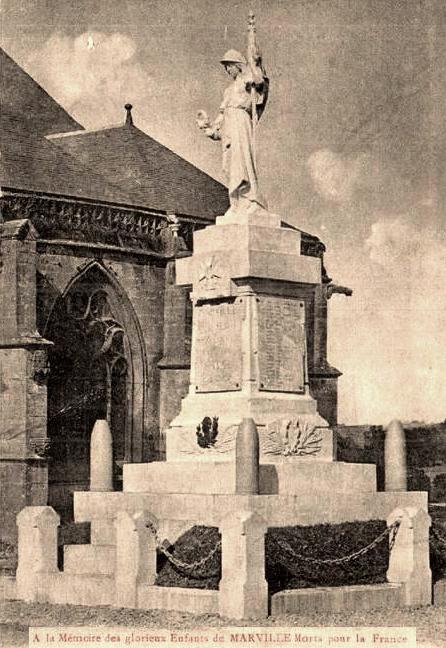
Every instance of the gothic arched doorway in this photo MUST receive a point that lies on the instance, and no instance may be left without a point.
(95, 363)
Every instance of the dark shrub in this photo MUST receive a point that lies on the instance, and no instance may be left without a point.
(283, 570)
(437, 545)
(417, 480)
(439, 488)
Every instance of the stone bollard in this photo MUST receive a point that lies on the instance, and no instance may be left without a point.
(395, 468)
(243, 590)
(247, 458)
(409, 556)
(37, 549)
(135, 556)
(101, 457)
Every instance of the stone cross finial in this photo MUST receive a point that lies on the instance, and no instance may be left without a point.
(128, 117)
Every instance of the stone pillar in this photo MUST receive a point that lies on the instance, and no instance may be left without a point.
(247, 458)
(249, 350)
(37, 549)
(101, 457)
(174, 366)
(395, 466)
(320, 326)
(243, 591)
(24, 370)
(135, 556)
(409, 556)
(18, 279)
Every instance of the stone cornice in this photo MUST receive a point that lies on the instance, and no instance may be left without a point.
(121, 227)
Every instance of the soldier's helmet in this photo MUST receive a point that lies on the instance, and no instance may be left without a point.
(232, 56)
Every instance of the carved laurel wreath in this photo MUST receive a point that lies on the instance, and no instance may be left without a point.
(293, 437)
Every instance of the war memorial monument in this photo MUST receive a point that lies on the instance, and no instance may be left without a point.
(248, 450)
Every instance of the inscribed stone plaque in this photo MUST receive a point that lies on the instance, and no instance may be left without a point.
(218, 346)
(281, 344)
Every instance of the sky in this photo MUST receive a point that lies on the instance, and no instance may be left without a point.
(351, 148)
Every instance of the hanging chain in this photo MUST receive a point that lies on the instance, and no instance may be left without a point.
(391, 531)
(180, 564)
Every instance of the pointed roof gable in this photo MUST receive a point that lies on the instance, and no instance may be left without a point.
(24, 97)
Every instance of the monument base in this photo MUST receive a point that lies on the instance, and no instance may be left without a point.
(287, 478)
(253, 292)
(288, 425)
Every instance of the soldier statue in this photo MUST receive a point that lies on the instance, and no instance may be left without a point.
(242, 106)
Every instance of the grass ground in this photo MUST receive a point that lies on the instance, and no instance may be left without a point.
(16, 616)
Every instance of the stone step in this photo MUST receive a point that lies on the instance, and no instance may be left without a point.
(89, 559)
(278, 510)
(218, 478)
(337, 599)
(77, 589)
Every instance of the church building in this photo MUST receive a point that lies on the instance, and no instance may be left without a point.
(93, 325)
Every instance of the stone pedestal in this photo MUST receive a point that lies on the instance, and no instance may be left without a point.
(243, 590)
(135, 556)
(37, 549)
(409, 556)
(249, 358)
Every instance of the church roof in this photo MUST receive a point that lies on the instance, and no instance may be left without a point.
(23, 96)
(153, 175)
(46, 151)
(30, 163)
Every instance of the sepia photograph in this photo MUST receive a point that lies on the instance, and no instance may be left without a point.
(223, 323)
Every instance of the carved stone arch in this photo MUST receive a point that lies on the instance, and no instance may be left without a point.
(99, 348)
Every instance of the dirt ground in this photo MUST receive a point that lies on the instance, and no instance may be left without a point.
(16, 616)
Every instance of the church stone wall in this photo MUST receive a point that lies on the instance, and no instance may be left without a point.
(35, 274)
(175, 363)
(142, 283)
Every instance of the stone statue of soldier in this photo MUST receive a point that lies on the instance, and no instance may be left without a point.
(243, 104)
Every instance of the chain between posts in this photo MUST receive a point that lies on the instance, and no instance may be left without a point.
(391, 531)
(180, 564)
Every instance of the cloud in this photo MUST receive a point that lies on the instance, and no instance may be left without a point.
(397, 244)
(335, 176)
(392, 241)
(359, 179)
(393, 354)
(92, 75)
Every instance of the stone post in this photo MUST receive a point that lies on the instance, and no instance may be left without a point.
(243, 591)
(101, 457)
(37, 549)
(395, 468)
(135, 556)
(409, 556)
(247, 458)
